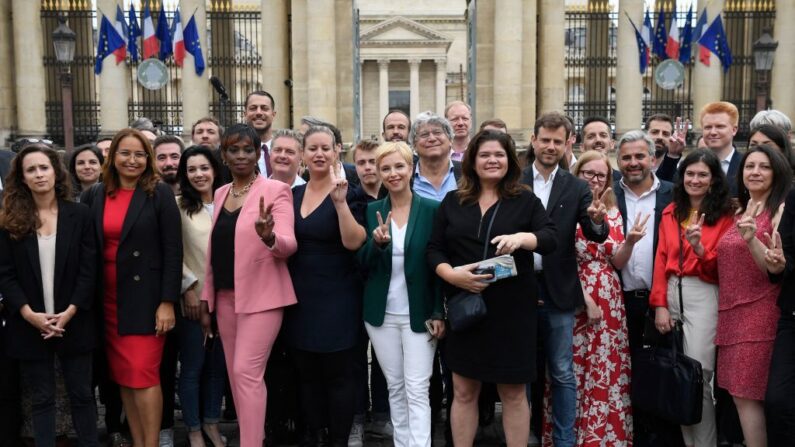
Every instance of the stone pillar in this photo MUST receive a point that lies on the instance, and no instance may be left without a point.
(629, 82)
(551, 52)
(441, 85)
(114, 87)
(597, 78)
(275, 58)
(383, 87)
(781, 92)
(299, 61)
(7, 90)
(195, 88)
(322, 81)
(414, 87)
(708, 81)
(508, 53)
(31, 92)
(529, 31)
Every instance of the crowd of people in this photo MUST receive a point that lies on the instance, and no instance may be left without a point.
(256, 267)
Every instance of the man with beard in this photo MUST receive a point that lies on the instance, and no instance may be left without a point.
(260, 110)
(168, 150)
(669, 143)
(395, 126)
(597, 135)
(459, 114)
(207, 131)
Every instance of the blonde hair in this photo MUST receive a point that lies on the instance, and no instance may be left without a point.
(608, 199)
(394, 147)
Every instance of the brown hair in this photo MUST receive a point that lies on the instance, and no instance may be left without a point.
(469, 188)
(19, 215)
(554, 121)
(110, 176)
(609, 199)
(494, 122)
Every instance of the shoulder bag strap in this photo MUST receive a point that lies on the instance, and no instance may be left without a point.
(488, 229)
(681, 271)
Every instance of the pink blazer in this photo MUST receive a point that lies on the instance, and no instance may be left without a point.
(262, 281)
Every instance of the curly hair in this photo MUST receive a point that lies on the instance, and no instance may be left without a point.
(110, 175)
(469, 187)
(190, 200)
(716, 203)
(19, 215)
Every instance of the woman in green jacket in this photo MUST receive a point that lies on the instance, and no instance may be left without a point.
(402, 298)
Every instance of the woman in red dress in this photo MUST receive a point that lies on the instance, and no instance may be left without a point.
(138, 228)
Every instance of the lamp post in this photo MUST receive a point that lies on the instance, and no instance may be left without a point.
(764, 51)
(63, 39)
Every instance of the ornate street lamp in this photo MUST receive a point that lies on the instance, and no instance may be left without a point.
(63, 40)
(764, 51)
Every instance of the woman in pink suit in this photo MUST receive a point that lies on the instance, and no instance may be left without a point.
(247, 283)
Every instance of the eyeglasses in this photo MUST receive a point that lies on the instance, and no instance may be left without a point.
(136, 155)
(425, 135)
(589, 175)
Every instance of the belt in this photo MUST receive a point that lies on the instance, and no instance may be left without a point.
(640, 294)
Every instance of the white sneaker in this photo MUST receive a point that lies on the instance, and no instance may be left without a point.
(356, 438)
(167, 437)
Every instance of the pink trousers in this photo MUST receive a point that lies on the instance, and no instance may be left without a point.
(247, 340)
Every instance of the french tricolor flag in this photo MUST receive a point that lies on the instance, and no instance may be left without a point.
(178, 41)
(150, 40)
(121, 28)
(672, 45)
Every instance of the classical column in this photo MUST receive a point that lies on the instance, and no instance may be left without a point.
(441, 85)
(508, 53)
(275, 58)
(31, 92)
(551, 52)
(414, 87)
(114, 88)
(708, 81)
(322, 80)
(781, 92)
(529, 68)
(7, 98)
(383, 87)
(300, 61)
(629, 82)
(195, 88)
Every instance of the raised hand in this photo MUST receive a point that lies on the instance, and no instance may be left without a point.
(679, 137)
(693, 232)
(746, 225)
(381, 232)
(638, 230)
(340, 191)
(774, 254)
(264, 223)
(597, 210)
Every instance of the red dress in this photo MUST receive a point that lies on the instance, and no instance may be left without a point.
(134, 360)
(601, 351)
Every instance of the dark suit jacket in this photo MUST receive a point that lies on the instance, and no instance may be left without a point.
(5, 167)
(734, 169)
(73, 283)
(149, 258)
(568, 205)
(667, 168)
(669, 172)
(663, 198)
(786, 299)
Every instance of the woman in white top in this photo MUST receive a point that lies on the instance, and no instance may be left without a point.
(47, 279)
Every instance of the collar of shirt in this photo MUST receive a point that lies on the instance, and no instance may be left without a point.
(653, 190)
(417, 168)
(726, 162)
(537, 175)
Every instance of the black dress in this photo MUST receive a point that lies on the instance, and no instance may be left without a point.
(501, 348)
(326, 278)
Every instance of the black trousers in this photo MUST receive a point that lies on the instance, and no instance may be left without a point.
(39, 375)
(327, 391)
(780, 396)
(9, 396)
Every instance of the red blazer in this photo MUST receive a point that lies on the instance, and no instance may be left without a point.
(666, 262)
(262, 281)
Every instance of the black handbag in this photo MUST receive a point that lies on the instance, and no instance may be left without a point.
(465, 309)
(665, 382)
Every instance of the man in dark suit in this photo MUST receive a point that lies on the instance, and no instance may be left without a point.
(9, 372)
(669, 143)
(719, 126)
(568, 201)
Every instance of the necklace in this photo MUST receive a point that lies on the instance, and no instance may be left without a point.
(243, 191)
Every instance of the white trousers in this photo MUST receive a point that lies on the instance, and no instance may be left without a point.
(406, 358)
(700, 324)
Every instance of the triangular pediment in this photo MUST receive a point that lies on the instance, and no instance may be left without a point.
(401, 29)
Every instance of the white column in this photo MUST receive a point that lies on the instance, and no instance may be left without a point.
(508, 53)
(383, 87)
(195, 88)
(275, 59)
(551, 53)
(708, 81)
(441, 85)
(781, 92)
(28, 54)
(321, 38)
(114, 87)
(629, 83)
(414, 87)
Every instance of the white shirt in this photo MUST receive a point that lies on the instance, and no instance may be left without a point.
(47, 267)
(542, 188)
(638, 272)
(397, 298)
(261, 161)
(724, 164)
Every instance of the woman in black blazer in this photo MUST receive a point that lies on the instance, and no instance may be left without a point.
(47, 279)
(140, 251)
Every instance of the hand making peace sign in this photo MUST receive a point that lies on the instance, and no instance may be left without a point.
(678, 138)
(693, 232)
(774, 252)
(381, 232)
(638, 230)
(264, 223)
(340, 190)
(598, 210)
(746, 225)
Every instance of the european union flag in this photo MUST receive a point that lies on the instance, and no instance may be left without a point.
(643, 49)
(660, 37)
(109, 41)
(687, 38)
(163, 34)
(714, 39)
(134, 32)
(192, 44)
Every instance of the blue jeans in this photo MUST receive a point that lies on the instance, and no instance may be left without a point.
(202, 374)
(556, 328)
